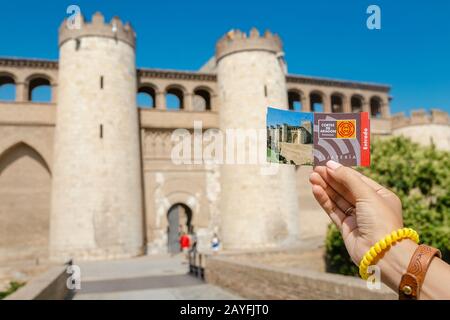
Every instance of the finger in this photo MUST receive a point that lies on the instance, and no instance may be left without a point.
(345, 224)
(322, 171)
(337, 187)
(378, 188)
(349, 179)
(348, 226)
(335, 214)
(344, 192)
(371, 183)
(315, 178)
(374, 185)
(344, 205)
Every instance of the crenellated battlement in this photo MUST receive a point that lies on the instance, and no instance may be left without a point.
(97, 27)
(419, 117)
(236, 40)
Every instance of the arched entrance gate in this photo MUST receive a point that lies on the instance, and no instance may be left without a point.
(179, 219)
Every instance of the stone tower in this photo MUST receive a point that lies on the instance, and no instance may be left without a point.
(257, 211)
(97, 188)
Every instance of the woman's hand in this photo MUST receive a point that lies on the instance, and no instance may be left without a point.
(363, 210)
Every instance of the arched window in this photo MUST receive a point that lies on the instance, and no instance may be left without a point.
(294, 100)
(201, 100)
(375, 107)
(337, 103)
(7, 88)
(316, 100)
(146, 97)
(39, 90)
(174, 99)
(356, 103)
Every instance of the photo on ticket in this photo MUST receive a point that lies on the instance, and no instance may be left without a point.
(342, 137)
(289, 137)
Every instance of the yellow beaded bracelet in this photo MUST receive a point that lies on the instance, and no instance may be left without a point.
(383, 245)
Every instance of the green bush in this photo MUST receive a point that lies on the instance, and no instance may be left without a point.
(420, 176)
(13, 286)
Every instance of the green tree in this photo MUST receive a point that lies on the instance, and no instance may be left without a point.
(420, 176)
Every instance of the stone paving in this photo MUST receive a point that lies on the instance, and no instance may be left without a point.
(145, 278)
(298, 153)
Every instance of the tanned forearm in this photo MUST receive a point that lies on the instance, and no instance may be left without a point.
(394, 263)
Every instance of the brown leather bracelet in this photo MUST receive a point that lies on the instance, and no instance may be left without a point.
(412, 280)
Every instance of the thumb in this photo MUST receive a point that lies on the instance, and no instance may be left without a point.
(350, 179)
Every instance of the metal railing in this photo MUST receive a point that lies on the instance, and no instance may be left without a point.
(196, 264)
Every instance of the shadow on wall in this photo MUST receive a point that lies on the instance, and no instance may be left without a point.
(25, 183)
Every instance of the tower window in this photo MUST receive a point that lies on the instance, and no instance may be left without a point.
(101, 82)
(101, 131)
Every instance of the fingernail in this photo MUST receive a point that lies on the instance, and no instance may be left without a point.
(333, 165)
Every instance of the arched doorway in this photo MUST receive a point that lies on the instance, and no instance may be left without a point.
(24, 203)
(179, 219)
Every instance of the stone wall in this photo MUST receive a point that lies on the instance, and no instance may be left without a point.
(258, 281)
(167, 184)
(424, 128)
(26, 149)
(51, 285)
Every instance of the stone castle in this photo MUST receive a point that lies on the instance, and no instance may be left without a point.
(301, 134)
(88, 174)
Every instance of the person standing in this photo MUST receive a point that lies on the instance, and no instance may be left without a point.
(215, 243)
(185, 243)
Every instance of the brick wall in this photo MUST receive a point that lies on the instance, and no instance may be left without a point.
(256, 281)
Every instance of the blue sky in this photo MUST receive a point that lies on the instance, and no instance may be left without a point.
(323, 38)
(293, 118)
